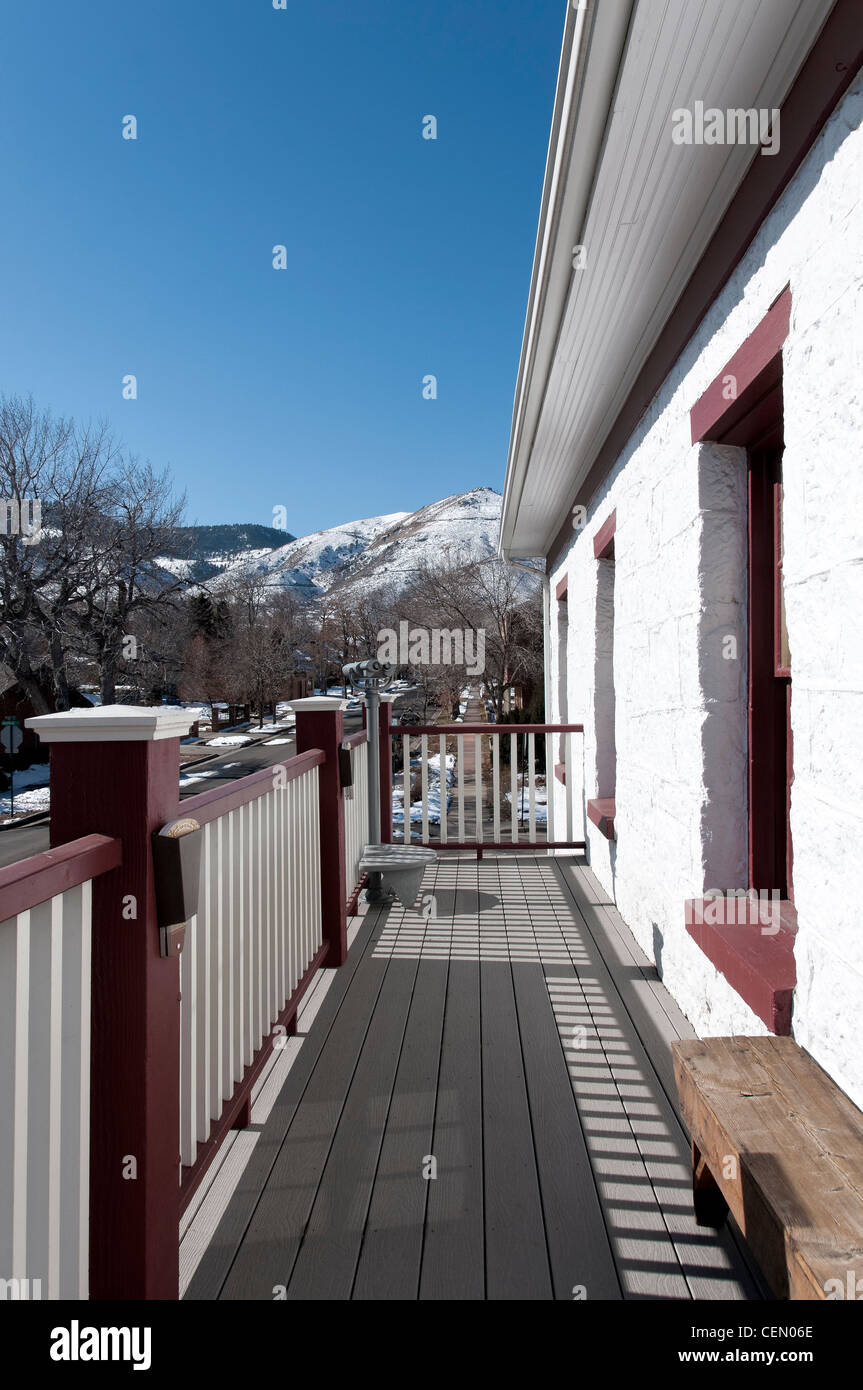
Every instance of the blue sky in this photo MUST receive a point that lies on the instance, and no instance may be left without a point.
(256, 127)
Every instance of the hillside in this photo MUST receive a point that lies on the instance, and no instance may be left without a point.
(200, 552)
(364, 557)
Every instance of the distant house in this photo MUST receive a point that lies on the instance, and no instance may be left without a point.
(16, 703)
(300, 683)
(298, 686)
(685, 455)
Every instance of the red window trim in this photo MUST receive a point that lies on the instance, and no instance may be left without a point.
(603, 541)
(769, 732)
(779, 669)
(759, 965)
(714, 413)
(601, 810)
(560, 591)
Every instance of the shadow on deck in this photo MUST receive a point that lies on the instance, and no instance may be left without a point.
(515, 1042)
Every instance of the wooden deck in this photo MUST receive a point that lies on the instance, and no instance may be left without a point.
(518, 1042)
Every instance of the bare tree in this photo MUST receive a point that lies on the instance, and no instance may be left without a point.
(122, 577)
(72, 592)
(64, 471)
(492, 597)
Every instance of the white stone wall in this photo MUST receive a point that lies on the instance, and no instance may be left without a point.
(680, 587)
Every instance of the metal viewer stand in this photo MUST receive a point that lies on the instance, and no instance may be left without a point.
(398, 868)
(370, 677)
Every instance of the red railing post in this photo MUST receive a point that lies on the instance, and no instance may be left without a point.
(385, 724)
(320, 725)
(115, 771)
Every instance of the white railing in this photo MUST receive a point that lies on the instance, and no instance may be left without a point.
(257, 930)
(356, 814)
(45, 1069)
(483, 786)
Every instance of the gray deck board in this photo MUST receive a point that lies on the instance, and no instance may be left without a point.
(327, 1257)
(633, 975)
(272, 1241)
(576, 1234)
(453, 1265)
(240, 1231)
(655, 1015)
(520, 1038)
(389, 1265)
(517, 1264)
(651, 1141)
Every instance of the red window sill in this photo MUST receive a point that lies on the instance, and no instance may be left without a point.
(560, 772)
(758, 964)
(601, 812)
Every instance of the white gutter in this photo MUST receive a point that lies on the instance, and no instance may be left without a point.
(596, 32)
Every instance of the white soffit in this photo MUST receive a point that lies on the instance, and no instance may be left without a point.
(654, 207)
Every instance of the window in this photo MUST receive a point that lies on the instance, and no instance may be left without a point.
(743, 407)
(562, 659)
(601, 808)
(770, 756)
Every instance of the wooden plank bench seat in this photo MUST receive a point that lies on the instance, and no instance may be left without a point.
(776, 1142)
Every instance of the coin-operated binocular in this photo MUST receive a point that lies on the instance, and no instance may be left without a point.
(370, 674)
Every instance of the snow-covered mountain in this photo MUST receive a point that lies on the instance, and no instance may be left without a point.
(199, 552)
(381, 552)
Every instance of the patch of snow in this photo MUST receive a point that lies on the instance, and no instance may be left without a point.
(540, 802)
(194, 708)
(32, 793)
(434, 765)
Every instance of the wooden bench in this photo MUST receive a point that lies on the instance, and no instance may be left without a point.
(777, 1143)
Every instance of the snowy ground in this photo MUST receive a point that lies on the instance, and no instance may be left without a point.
(194, 709)
(228, 741)
(434, 792)
(31, 793)
(434, 766)
(187, 778)
(540, 802)
(434, 796)
(416, 810)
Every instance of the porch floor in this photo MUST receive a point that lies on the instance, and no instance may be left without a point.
(514, 1041)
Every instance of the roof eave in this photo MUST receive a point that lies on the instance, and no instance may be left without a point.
(594, 40)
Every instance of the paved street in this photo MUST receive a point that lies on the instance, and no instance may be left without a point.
(232, 763)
